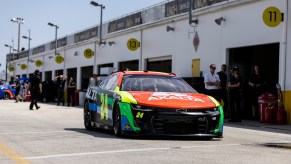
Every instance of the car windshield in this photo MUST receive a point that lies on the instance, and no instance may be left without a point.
(155, 83)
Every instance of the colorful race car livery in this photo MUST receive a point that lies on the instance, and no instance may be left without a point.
(151, 103)
(7, 92)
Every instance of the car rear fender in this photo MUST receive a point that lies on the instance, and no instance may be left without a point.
(11, 95)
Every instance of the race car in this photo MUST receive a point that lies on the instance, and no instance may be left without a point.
(7, 91)
(151, 103)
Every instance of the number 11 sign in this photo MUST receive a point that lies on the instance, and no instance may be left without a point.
(272, 16)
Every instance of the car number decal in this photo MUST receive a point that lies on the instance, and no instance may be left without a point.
(139, 115)
(91, 94)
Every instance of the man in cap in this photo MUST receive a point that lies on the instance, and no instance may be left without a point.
(234, 86)
(223, 86)
(61, 82)
(35, 87)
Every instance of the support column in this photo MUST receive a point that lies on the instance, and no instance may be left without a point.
(53, 75)
(78, 78)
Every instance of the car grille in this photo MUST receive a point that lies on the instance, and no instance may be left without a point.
(177, 121)
(180, 124)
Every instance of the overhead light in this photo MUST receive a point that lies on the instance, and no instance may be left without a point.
(6, 45)
(94, 3)
(50, 57)
(97, 4)
(31, 60)
(50, 24)
(103, 42)
(18, 20)
(195, 21)
(219, 20)
(111, 43)
(25, 37)
(169, 28)
(76, 53)
(18, 64)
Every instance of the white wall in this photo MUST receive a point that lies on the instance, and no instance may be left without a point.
(243, 27)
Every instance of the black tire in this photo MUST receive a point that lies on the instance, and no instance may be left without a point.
(117, 122)
(87, 119)
(6, 96)
(207, 138)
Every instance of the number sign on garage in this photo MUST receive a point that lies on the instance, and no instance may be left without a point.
(272, 16)
(133, 44)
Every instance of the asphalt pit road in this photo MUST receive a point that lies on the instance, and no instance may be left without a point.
(278, 145)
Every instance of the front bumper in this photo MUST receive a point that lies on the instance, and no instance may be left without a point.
(174, 122)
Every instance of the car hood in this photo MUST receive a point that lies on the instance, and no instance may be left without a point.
(173, 100)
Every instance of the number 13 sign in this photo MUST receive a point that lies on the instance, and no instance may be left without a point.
(133, 44)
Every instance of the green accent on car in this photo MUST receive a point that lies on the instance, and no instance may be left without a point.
(110, 101)
(125, 110)
(219, 127)
(221, 120)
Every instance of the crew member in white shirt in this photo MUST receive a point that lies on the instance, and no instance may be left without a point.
(212, 83)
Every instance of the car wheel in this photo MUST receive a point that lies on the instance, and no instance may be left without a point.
(6, 96)
(87, 119)
(117, 122)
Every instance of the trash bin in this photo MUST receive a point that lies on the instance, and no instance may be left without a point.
(28, 95)
(268, 108)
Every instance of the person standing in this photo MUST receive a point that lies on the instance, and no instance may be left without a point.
(212, 83)
(17, 88)
(71, 91)
(234, 85)
(256, 84)
(22, 92)
(61, 81)
(92, 80)
(223, 86)
(35, 87)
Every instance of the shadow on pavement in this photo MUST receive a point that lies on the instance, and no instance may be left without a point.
(95, 133)
(98, 133)
(253, 125)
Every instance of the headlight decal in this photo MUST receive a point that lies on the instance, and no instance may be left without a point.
(125, 110)
(214, 101)
(126, 97)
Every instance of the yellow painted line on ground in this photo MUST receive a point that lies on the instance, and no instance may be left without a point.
(12, 155)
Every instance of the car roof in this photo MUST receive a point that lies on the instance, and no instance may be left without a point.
(148, 73)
